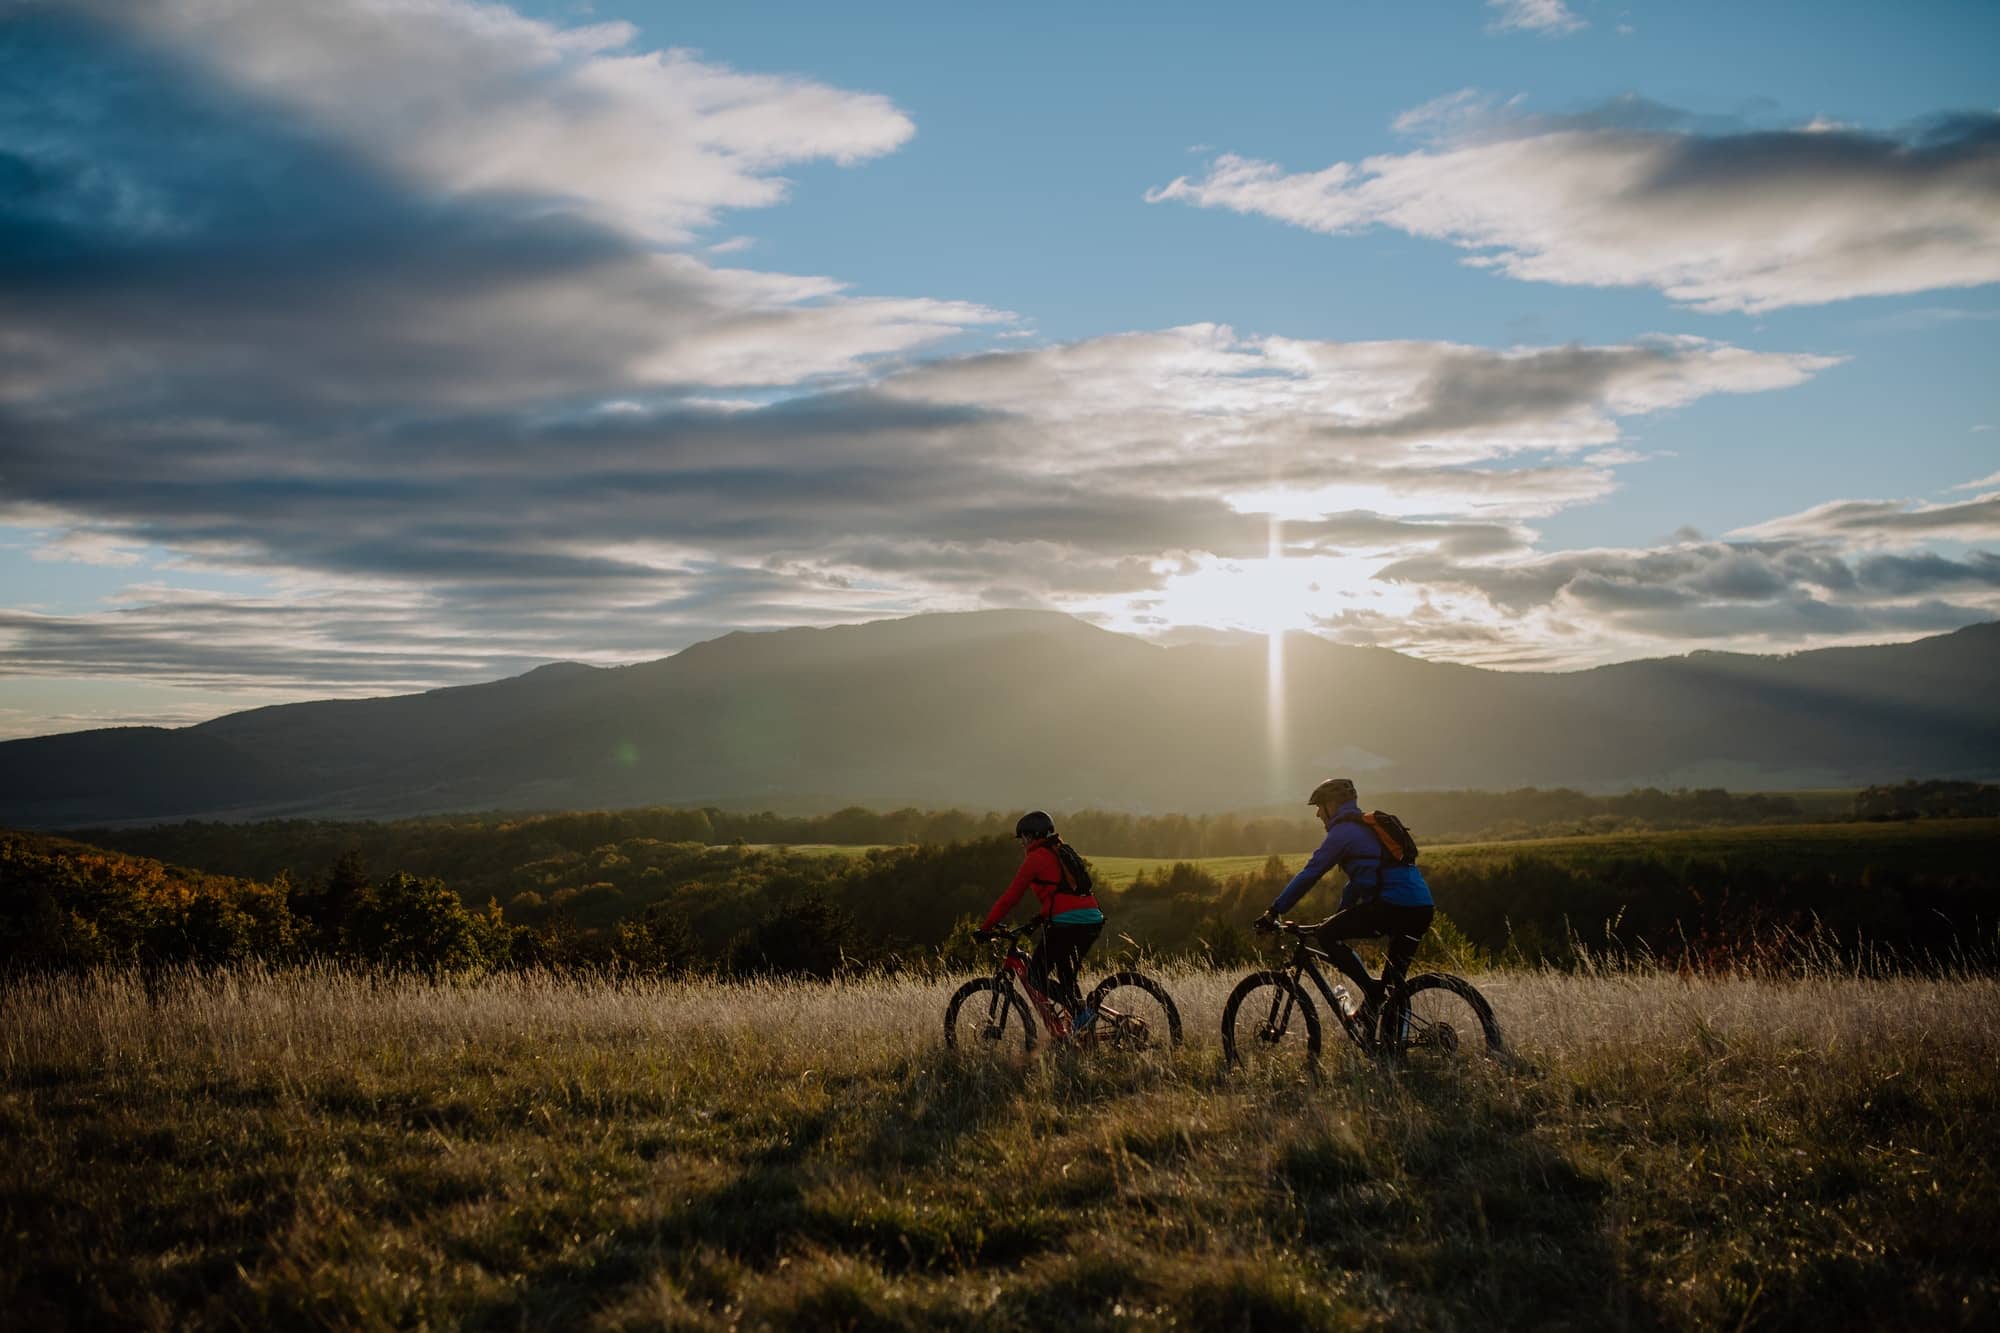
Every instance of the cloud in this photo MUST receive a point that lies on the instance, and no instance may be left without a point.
(1601, 603)
(464, 98)
(1890, 521)
(1549, 17)
(1365, 404)
(166, 239)
(1058, 476)
(1634, 194)
(85, 548)
(1132, 444)
(1899, 575)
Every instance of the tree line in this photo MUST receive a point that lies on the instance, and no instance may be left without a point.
(470, 846)
(646, 907)
(1928, 800)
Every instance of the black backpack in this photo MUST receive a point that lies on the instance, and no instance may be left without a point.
(1076, 875)
(1398, 847)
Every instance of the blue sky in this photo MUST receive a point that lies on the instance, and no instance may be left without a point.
(357, 348)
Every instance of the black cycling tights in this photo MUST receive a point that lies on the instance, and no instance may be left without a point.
(1062, 950)
(1405, 927)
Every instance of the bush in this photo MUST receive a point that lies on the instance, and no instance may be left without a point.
(421, 924)
(803, 938)
(660, 943)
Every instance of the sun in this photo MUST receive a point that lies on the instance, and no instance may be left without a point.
(1259, 596)
(1274, 595)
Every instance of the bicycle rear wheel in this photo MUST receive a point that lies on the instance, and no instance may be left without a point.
(1439, 1019)
(985, 1017)
(1270, 1023)
(1134, 1013)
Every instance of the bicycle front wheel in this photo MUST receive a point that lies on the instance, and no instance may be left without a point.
(1134, 1013)
(1439, 1019)
(1270, 1023)
(986, 1017)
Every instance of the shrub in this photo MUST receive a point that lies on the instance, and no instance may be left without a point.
(421, 924)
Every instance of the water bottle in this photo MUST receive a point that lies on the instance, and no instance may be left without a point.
(1341, 998)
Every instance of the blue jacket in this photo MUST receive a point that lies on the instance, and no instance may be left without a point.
(1353, 847)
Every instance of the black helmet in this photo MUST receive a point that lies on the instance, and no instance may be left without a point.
(1034, 824)
(1334, 791)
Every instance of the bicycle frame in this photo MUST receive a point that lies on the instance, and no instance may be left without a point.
(1014, 965)
(1302, 965)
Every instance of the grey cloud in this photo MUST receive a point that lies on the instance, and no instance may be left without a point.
(1742, 577)
(1425, 628)
(1358, 528)
(1601, 593)
(1977, 519)
(1902, 576)
(165, 240)
(463, 97)
(370, 640)
(358, 495)
(1623, 579)
(1770, 589)
(1431, 633)
(1473, 389)
(221, 643)
(1626, 196)
(1802, 618)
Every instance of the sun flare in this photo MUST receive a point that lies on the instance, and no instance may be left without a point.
(1269, 596)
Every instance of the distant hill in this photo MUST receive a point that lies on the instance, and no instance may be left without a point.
(1006, 709)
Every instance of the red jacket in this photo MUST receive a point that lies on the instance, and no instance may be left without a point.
(1041, 872)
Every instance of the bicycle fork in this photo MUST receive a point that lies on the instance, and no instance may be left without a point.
(997, 1009)
(1280, 1017)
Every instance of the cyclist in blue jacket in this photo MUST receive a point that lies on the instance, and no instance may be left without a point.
(1379, 899)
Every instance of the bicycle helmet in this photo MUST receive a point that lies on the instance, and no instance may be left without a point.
(1034, 824)
(1333, 791)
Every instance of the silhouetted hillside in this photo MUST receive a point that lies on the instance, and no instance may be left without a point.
(1005, 709)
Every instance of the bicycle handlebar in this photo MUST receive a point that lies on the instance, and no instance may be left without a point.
(1289, 927)
(1018, 932)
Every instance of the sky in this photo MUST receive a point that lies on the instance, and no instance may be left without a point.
(355, 347)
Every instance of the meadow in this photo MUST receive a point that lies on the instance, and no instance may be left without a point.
(1938, 845)
(321, 1148)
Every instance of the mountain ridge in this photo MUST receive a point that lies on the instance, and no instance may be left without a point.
(1005, 708)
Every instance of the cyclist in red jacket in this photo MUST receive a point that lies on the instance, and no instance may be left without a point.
(1075, 920)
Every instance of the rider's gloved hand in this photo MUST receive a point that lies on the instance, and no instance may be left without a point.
(1266, 924)
(983, 936)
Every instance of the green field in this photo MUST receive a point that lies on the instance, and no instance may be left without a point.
(1117, 872)
(316, 1150)
(1936, 844)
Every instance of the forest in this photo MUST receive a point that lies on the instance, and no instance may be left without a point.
(590, 892)
(455, 846)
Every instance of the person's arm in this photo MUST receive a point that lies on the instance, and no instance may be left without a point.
(1324, 859)
(1022, 878)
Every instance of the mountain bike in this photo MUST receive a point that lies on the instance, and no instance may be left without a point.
(997, 1013)
(1271, 1020)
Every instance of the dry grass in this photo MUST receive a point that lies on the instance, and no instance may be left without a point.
(318, 1149)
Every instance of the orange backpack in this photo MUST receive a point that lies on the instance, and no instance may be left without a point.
(1398, 847)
